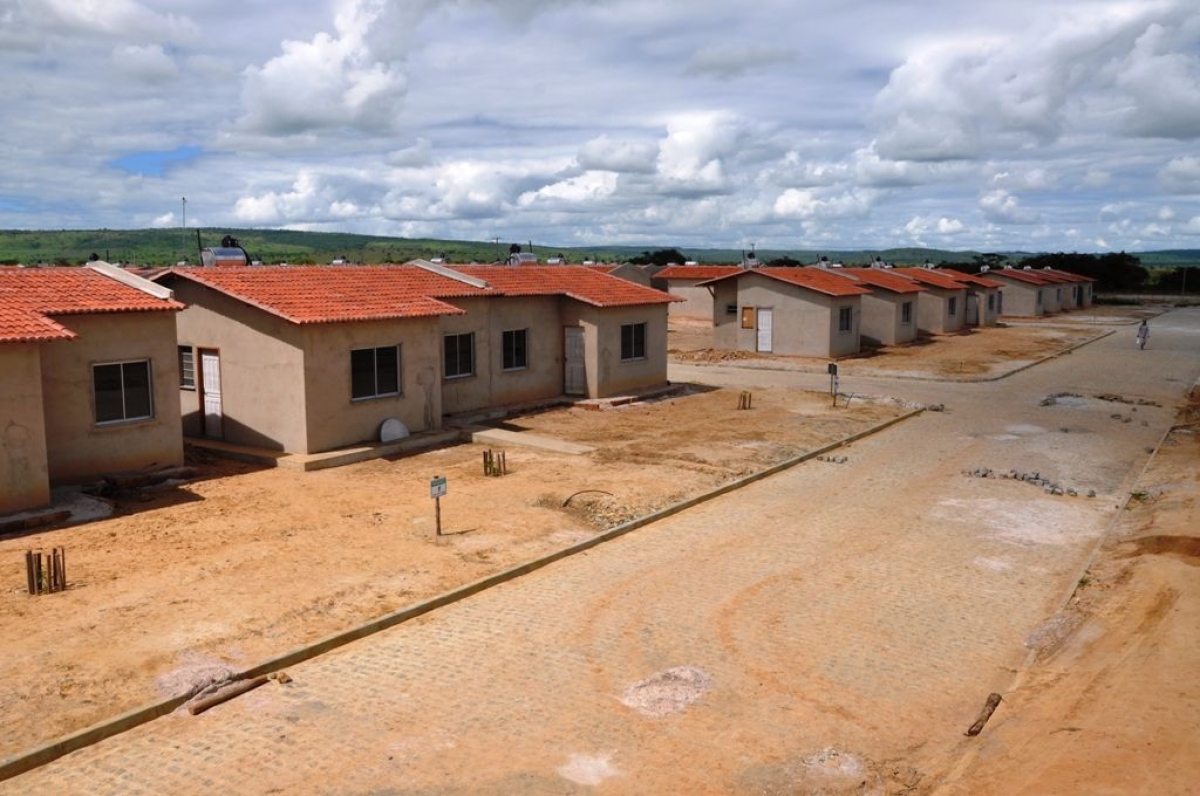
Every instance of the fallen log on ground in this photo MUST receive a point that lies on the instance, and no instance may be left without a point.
(225, 694)
(988, 709)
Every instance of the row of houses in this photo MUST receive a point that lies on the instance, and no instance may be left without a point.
(103, 371)
(832, 312)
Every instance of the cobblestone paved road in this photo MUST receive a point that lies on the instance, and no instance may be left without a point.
(867, 607)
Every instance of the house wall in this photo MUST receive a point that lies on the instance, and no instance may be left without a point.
(607, 373)
(24, 473)
(697, 301)
(262, 369)
(491, 385)
(988, 315)
(78, 449)
(881, 317)
(333, 418)
(632, 273)
(804, 322)
(1020, 298)
(933, 310)
(1056, 296)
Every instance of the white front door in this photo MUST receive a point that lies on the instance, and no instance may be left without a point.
(574, 361)
(210, 384)
(765, 319)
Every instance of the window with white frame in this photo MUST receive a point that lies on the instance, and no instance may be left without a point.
(458, 355)
(187, 368)
(906, 312)
(952, 306)
(374, 372)
(633, 341)
(516, 349)
(123, 391)
(845, 319)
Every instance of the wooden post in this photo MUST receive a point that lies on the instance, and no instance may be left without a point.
(437, 513)
(30, 577)
(989, 707)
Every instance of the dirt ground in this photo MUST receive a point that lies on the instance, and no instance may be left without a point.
(972, 353)
(192, 582)
(1110, 705)
(187, 584)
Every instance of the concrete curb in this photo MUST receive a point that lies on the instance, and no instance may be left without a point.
(53, 750)
(1022, 673)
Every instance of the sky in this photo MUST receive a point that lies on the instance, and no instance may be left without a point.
(1071, 125)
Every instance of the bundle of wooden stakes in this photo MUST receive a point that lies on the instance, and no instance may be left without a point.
(44, 573)
(494, 464)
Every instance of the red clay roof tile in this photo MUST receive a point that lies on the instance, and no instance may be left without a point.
(581, 284)
(697, 271)
(970, 279)
(29, 295)
(930, 277)
(884, 279)
(335, 293)
(820, 280)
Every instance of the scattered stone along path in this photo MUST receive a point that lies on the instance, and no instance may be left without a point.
(834, 626)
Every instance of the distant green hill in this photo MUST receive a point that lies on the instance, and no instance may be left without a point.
(159, 247)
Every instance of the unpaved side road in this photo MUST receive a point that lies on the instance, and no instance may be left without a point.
(831, 629)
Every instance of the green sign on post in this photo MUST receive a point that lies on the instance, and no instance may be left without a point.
(437, 488)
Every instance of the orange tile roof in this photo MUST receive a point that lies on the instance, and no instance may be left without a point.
(29, 295)
(581, 284)
(820, 280)
(1067, 276)
(697, 271)
(336, 293)
(1039, 278)
(970, 279)
(876, 277)
(931, 277)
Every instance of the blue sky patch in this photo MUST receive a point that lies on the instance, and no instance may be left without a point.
(155, 164)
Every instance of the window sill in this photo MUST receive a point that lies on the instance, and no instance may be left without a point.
(459, 377)
(515, 370)
(102, 425)
(634, 359)
(363, 398)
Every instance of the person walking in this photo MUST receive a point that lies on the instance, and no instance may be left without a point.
(1143, 335)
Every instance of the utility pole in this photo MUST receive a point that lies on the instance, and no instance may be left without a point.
(183, 229)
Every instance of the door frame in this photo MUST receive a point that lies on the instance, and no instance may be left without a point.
(202, 393)
(581, 332)
(758, 330)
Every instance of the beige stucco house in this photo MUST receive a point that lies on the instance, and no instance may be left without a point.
(1025, 294)
(983, 297)
(87, 379)
(689, 283)
(889, 311)
(790, 311)
(941, 309)
(308, 359)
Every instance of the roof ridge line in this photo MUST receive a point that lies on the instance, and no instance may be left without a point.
(131, 280)
(449, 273)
